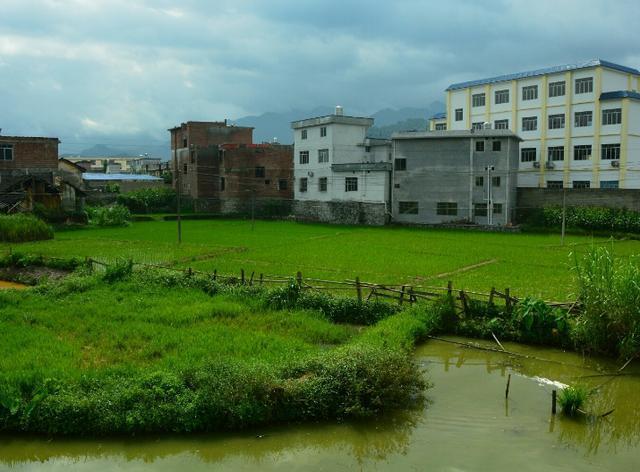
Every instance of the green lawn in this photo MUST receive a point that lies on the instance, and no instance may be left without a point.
(530, 264)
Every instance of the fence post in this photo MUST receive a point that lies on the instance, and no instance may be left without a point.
(449, 288)
(190, 272)
(299, 279)
(261, 277)
(554, 397)
(401, 299)
(251, 278)
(465, 305)
(507, 297)
(493, 290)
(215, 274)
(412, 297)
(358, 289)
(242, 276)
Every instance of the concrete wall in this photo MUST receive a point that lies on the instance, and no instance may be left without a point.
(341, 212)
(445, 170)
(531, 198)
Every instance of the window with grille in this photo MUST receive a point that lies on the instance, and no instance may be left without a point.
(556, 153)
(441, 127)
(502, 96)
(477, 125)
(583, 118)
(6, 152)
(501, 124)
(479, 181)
(582, 152)
(304, 157)
(556, 89)
(400, 164)
(479, 209)
(496, 180)
(304, 184)
(584, 85)
(529, 123)
(447, 208)
(496, 145)
(459, 114)
(610, 151)
(581, 184)
(259, 171)
(323, 155)
(609, 184)
(556, 121)
(497, 208)
(530, 92)
(351, 184)
(478, 100)
(556, 184)
(283, 184)
(528, 155)
(323, 131)
(303, 134)
(480, 145)
(408, 208)
(322, 184)
(612, 116)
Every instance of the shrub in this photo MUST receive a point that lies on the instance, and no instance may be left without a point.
(119, 270)
(609, 292)
(590, 218)
(572, 399)
(21, 228)
(113, 215)
(149, 200)
(539, 323)
(59, 215)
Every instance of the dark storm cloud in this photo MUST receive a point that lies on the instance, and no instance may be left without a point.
(91, 67)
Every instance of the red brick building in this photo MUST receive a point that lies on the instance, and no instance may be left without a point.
(27, 169)
(222, 170)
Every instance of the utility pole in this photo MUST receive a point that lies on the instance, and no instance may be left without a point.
(564, 213)
(178, 184)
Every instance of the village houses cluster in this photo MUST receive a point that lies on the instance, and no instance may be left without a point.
(503, 144)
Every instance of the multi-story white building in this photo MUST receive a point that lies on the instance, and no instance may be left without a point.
(580, 123)
(340, 174)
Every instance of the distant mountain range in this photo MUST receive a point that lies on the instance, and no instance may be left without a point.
(266, 127)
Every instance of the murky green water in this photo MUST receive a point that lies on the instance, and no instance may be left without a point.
(467, 425)
(4, 284)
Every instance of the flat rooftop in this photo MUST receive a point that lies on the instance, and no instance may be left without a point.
(97, 176)
(457, 134)
(329, 119)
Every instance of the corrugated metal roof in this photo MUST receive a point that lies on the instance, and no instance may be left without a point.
(547, 70)
(618, 94)
(439, 116)
(132, 177)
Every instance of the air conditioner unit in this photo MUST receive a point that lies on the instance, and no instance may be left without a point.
(615, 163)
(536, 164)
(310, 174)
(549, 165)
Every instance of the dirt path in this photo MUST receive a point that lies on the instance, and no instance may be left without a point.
(461, 269)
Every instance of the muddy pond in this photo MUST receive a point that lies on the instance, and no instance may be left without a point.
(466, 425)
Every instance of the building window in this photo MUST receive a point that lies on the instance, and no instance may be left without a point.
(480, 145)
(609, 184)
(303, 134)
(583, 118)
(479, 209)
(584, 85)
(185, 169)
(497, 145)
(479, 181)
(555, 184)
(581, 184)
(458, 114)
(6, 152)
(396, 185)
(441, 127)
(528, 155)
(477, 125)
(447, 208)
(184, 142)
(556, 153)
(477, 100)
(530, 92)
(497, 208)
(283, 184)
(529, 123)
(323, 131)
(351, 184)
(400, 164)
(582, 152)
(304, 157)
(495, 181)
(259, 171)
(408, 208)
(556, 121)
(323, 155)
(557, 89)
(322, 184)
(610, 151)
(502, 96)
(304, 183)
(223, 184)
(501, 124)
(612, 116)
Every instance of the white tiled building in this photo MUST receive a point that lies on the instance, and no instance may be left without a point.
(334, 162)
(580, 123)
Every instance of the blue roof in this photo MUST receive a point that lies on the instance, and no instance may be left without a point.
(101, 176)
(548, 70)
(439, 116)
(618, 94)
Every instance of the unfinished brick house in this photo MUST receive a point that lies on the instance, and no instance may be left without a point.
(221, 169)
(27, 169)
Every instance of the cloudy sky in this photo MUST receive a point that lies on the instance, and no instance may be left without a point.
(83, 69)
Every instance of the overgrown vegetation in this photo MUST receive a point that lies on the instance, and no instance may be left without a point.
(149, 200)
(111, 215)
(572, 399)
(22, 228)
(619, 220)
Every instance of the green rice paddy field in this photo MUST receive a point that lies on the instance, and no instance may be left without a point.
(529, 264)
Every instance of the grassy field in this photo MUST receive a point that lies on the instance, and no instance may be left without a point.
(530, 264)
